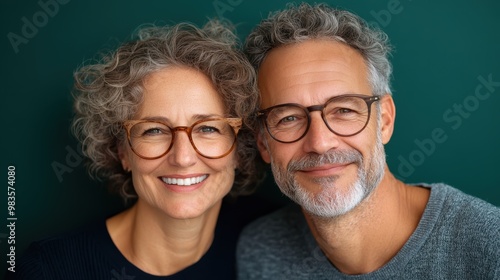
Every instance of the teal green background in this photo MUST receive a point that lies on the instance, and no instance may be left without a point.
(441, 51)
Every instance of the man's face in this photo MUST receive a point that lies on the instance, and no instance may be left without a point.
(327, 174)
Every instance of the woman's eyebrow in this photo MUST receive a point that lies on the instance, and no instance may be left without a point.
(194, 118)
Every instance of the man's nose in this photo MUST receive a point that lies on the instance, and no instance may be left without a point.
(319, 139)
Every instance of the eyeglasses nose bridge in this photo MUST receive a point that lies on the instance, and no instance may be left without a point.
(186, 129)
(181, 128)
(316, 108)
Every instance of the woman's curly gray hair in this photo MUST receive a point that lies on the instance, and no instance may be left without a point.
(304, 22)
(109, 92)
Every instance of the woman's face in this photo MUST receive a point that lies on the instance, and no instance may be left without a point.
(182, 184)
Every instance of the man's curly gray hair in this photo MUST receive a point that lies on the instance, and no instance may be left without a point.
(304, 22)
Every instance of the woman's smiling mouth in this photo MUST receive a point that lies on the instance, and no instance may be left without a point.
(184, 181)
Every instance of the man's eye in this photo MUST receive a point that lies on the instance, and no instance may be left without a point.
(345, 111)
(288, 119)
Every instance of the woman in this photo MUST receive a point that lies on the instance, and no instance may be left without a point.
(161, 120)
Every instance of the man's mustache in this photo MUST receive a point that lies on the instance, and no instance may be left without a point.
(331, 157)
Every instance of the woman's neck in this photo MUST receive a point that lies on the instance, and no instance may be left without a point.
(159, 244)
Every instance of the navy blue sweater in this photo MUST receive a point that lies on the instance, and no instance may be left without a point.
(89, 253)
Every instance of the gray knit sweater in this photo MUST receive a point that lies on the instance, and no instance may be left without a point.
(458, 237)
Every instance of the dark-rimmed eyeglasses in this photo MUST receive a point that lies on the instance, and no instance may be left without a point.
(211, 138)
(344, 115)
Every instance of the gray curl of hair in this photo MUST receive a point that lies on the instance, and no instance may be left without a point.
(305, 22)
(109, 92)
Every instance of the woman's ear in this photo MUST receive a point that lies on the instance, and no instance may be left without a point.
(388, 117)
(262, 146)
(122, 154)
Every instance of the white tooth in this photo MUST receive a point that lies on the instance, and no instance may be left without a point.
(184, 182)
(202, 178)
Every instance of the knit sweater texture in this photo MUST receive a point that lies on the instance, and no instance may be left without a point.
(458, 237)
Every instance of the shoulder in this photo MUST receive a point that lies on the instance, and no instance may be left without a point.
(237, 213)
(78, 238)
(463, 210)
(274, 225)
(279, 246)
(472, 219)
(264, 238)
(463, 228)
(242, 210)
(59, 253)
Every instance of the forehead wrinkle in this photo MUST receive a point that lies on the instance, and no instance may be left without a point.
(304, 71)
(309, 66)
(307, 72)
(310, 78)
(318, 76)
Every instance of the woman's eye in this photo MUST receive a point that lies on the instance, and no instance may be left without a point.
(208, 129)
(153, 131)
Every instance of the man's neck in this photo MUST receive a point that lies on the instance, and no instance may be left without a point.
(367, 237)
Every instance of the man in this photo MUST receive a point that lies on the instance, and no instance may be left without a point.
(327, 112)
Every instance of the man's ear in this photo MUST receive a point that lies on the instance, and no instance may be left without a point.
(261, 145)
(388, 117)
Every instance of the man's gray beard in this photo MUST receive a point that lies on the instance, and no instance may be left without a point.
(332, 203)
